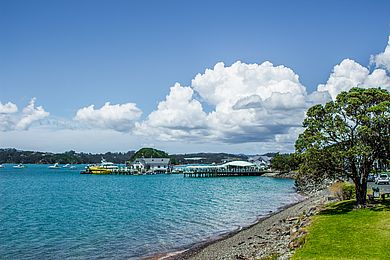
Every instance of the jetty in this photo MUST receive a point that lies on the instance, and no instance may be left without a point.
(229, 169)
(114, 171)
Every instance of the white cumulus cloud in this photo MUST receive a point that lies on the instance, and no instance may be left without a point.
(8, 108)
(6, 120)
(382, 60)
(31, 114)
(227, 84)
(120, 117)
(349, 74)
(251, 102)
(178, 116)
(11, 120)
(248, 105)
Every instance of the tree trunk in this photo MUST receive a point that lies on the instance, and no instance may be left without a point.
(361, 192)
(360, 181)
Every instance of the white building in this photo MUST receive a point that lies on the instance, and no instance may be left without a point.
(263, 162)
(155, 165)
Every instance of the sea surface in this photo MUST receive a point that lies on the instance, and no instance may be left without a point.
(60, 214)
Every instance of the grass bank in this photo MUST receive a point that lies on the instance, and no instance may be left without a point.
(340, 232)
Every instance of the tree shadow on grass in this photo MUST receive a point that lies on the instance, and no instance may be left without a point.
(337, 208)
(379, 205)
(344, 207)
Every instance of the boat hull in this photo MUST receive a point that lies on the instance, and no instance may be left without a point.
(99, 170)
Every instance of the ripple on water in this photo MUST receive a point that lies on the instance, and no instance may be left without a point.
(72, 216)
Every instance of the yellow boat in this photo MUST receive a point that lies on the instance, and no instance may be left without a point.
(99, 170)
(104, 168)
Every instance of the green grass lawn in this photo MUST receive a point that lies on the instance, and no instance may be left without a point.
(340, 232)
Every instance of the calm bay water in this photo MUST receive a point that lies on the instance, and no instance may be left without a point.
(46, 213)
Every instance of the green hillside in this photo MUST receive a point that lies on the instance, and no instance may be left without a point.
(149, 153)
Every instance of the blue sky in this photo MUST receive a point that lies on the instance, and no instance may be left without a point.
(73, 54)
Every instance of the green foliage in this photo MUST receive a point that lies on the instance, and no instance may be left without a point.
(343, 190)
(317, 166)
(341, 232)
(149, 153)
(348, 191)
(205, 158)
(71, 157)
(285, 162)
(346, 136)
(11, 155)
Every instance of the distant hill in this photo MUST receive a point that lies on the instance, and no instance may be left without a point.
(11, 155)
(149, 153)
(206, 158)
(270, 154)
(17, 156)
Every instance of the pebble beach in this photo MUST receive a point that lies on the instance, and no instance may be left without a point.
(276, 235)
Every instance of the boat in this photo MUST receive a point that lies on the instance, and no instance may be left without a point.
(1, 166)
(55, 166)
(66, 165)
(19, 166)
(103, 168)
(72, 167)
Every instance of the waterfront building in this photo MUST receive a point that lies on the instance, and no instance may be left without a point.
(262, 161)
(234, 168)
(155, 165)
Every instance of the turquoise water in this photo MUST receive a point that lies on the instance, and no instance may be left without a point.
(46, 213)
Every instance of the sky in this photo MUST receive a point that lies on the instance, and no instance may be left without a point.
(182, 76)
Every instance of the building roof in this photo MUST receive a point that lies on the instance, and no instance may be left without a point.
(156, 159)
(159, 161)
(233, 163)
(239, 164)
(194, 158)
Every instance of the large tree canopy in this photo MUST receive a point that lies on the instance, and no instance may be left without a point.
(347, 136)
(285, 162)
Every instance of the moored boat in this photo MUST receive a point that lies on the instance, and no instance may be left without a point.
(19, 166)
(55, 166)
(103, 168)
(66, 165)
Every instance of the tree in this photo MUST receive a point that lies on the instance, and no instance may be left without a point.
(318, 167)
(149, 153)
(353, 130)
(285, 162)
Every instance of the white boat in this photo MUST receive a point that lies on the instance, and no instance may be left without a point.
(66, 165)
(72, 167)
(107, 165)
(19, 166)
(1, 166)
(55, 166)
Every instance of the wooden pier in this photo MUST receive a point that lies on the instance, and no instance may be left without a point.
(123, 171)
(118, 171)
(221, 173)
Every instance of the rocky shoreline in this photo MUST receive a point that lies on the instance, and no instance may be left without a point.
(283, 175)
(275, 236)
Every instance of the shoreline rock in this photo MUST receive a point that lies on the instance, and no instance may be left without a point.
(274, 236)
(282, 175)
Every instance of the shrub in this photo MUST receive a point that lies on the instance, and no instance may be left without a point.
(343, 190)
